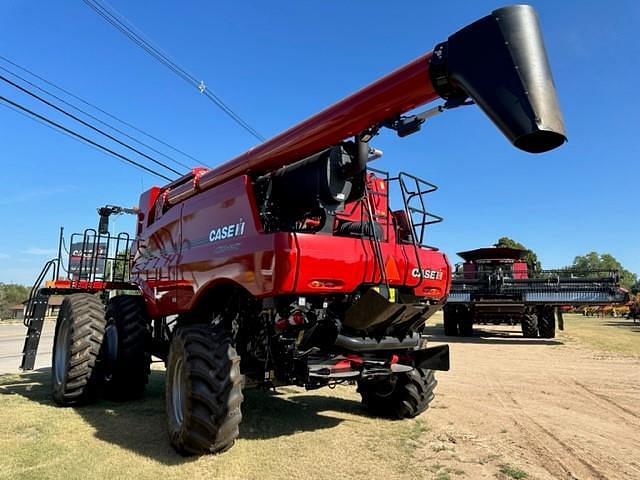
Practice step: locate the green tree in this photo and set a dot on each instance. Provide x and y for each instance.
(11, 294)
(118, 269)
(533, 264)
(605, 261)
(121, 267)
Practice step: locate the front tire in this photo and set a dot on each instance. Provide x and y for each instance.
(203, 391)
(78, 338)
(403, 395)
(127, 348)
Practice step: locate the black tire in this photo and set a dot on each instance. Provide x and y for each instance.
(547, 322)
(79, 332)
(203, 391)
(465, 323)
(530, 325)
(465, 326)
(403, 395)
(126, 351)
(450, 320)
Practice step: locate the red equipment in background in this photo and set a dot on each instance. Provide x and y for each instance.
(495, 285)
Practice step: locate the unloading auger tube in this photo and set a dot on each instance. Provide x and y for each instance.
(499, 62)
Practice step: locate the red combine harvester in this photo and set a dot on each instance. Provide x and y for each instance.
(286, 264)
(495, 285)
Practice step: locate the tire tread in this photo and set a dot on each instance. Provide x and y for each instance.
(411, 396)
(215, 392)
(86, 314)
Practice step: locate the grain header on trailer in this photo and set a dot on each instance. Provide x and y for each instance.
(495, 285)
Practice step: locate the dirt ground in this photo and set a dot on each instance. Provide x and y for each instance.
(551, 408)
(509, 408)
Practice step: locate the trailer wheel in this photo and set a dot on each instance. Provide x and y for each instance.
(529, 325)
(402, 395)
(78, 337)
(465, 323)
(450, 320)
(547, 322)
(126, 348)
(203, 391)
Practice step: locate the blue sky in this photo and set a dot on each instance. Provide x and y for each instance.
(276, 63)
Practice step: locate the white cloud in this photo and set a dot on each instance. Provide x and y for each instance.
(39, 251)
(4, 256)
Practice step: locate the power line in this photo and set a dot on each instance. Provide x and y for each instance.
(121, 23)
(146, 44)
(62, 129)
(86, 102)
(88, 125)
(126, 27)
(94, 117)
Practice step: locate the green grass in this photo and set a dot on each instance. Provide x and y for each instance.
(321, 435)
(606, 334)
(513, 472)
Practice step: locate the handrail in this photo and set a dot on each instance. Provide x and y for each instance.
(36, 287)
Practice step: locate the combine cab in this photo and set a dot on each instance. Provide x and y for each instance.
(494, 285)
(286, 265)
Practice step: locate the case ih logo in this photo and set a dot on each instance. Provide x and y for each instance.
(427, 274)
(227, 231)
(88, 252)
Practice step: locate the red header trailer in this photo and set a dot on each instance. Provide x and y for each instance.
(495, 285)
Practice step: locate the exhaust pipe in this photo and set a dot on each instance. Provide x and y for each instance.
(501, 63)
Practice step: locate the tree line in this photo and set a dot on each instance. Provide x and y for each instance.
(11, 294)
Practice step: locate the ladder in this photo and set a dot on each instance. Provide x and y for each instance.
(34, 317)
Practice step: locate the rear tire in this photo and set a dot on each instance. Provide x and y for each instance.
(203, 391)
(78, 338)
(530, 325)
(127, 348)
(403, 395)
(547, 322)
